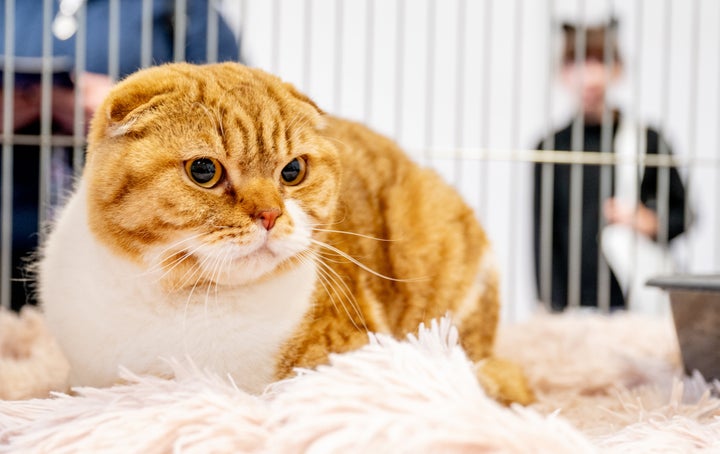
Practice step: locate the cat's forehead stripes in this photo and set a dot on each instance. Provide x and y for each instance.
(257, 119)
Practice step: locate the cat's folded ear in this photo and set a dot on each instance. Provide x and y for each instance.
(125, 108)
(310, 104)
(122, 107)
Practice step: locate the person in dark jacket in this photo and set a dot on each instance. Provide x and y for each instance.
(94, 83)
(589, 77)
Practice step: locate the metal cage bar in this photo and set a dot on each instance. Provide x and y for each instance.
(603, 277)
(430, 79)
(548, 180)
(180, 29)
(45, 118)
(7, 155)
(576, 185)
(663, 181)
(211, 51)
(114, 40)
(487, 55)
(79, 113)
(400, 67)
(146, 38)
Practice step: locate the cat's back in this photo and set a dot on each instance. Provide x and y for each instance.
(374, 164)
(420, 232)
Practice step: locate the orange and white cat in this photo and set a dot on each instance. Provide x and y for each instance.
(223, 217)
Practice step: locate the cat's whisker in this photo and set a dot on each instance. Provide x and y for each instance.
(212, 115)
(359, 263)
(218, 118)
(337, 222)
(222, 263)
(332, 257)
(329, 285)
(213, 278)
(178, 243)
(188, 301)
(327, 257)
(194, 272)
(159, 264)
(321, 279)
(295, 123)
(335, 278)
(350, 298)
(175, 263)
(335, 139)
(351, 234)
(177, 259)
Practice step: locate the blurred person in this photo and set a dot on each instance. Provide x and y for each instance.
(94, 84)
(631, 211)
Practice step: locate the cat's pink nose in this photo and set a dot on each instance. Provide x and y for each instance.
(268, 217)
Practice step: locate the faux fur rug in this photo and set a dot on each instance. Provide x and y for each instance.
(604, 383)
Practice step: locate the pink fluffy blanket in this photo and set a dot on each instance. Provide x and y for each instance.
(604, 383)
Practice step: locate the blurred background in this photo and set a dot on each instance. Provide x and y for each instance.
(469, 87)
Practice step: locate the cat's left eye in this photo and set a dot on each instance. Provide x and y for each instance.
(205, 172)
(294, 172)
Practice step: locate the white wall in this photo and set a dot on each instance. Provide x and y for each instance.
(483, 80)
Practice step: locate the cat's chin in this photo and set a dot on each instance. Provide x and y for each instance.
(242, 266)
(256, 266)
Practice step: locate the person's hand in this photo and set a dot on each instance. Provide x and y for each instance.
(94, 89)
(643, 219)
(26, 107)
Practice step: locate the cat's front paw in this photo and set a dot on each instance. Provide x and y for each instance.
(504, 381)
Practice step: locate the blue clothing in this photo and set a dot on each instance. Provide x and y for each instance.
(29, 32)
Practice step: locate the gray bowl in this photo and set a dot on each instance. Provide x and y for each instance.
(695, 303)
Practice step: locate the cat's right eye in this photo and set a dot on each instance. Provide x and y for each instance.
(205, 172)
(294, 172)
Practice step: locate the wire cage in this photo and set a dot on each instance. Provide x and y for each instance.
(468, 87)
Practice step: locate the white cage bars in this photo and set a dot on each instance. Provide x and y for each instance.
(466, 86)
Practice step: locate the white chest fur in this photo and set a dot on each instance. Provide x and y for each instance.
(106, 313)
